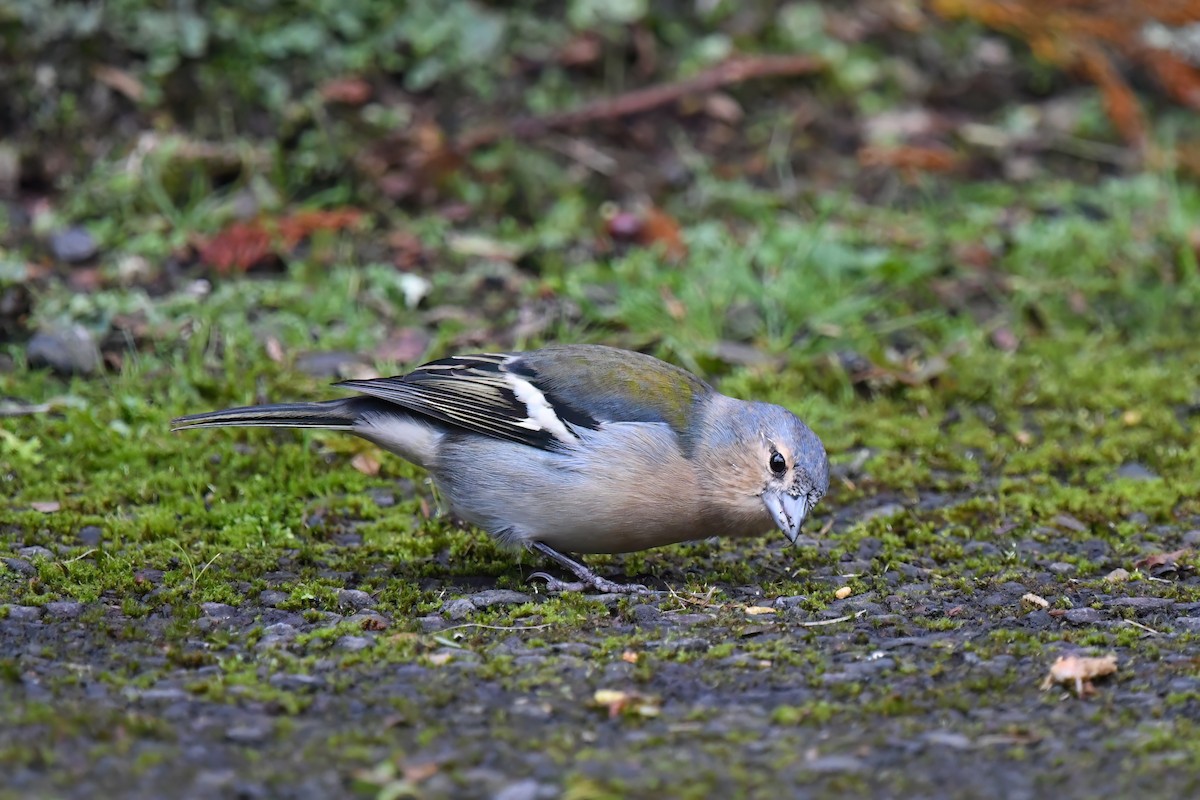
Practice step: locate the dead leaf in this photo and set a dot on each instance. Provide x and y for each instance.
(646, 226)
(404, 346)
(421, 771)
(1004, 339)
(580, 50)
(274, 349)
(1079, 670)
(1070, 523)
(723, 108)
(120, 81)
(910, 160)
(1159, 560)
(365, 464)
(755, 611)
(348, 91)
(674, 307)
(617, 703)
(1034, 600)
(479, 246)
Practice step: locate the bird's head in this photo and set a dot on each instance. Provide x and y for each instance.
(769, 459)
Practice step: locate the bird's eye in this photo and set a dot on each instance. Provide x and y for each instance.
(778, 464)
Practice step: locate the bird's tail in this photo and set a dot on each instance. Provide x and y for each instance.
(332, 414)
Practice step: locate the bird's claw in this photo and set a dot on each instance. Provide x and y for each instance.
(602, 585)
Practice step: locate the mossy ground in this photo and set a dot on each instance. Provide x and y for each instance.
(1001, 475)
(1006, 377)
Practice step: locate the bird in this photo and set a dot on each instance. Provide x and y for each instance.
(578, 448)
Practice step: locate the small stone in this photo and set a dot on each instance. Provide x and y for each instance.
(458, 608)
(354, 644)
(68, 351)
(296, 682)
(885, 510)
(152, 577)
(64, 609)
(1184, 623)
(217, 610)
(948, 739)
(1084, 616)
(354, 598)
(23, 613)
(383, 498)
(248, 734)
(527, 789)
(645, 613)
(280, 631)
(691, 644)
(499, 597)
(1061, 568)
(271, 597)
(1134, 471)
(1142, 605)
(1118, 575)
(163, 695)
(35, 551)
(829, 764)
(790, 602)
(336, 364)
(90, 535)
(73, 245)
(21, 567)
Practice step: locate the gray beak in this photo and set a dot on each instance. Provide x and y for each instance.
(787, 511)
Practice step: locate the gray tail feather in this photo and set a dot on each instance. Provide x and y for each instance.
(333, 414)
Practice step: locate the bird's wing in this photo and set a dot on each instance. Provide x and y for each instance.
(544, 397)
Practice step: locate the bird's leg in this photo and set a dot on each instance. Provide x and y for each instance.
(587, 578)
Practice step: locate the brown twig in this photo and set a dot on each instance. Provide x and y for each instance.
(735, 70)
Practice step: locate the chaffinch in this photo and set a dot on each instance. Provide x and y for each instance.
(578, 448)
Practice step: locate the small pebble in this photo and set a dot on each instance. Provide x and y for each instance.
(90, 535)
(217, 610)
(499, 597)
(458, 608)
(68, 351)
(23, 613)
(21, 567)
(354, 644)
(64, 609)
(354, 598)
(248, 734)
(73, 245)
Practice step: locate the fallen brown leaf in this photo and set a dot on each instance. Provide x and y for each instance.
(1079, 670)
(617, 702)
(365, 464)
(1157, 561)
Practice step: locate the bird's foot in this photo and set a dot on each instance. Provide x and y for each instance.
(593, 581)
(587, 578)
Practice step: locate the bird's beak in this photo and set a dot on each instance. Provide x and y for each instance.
(787, 511)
